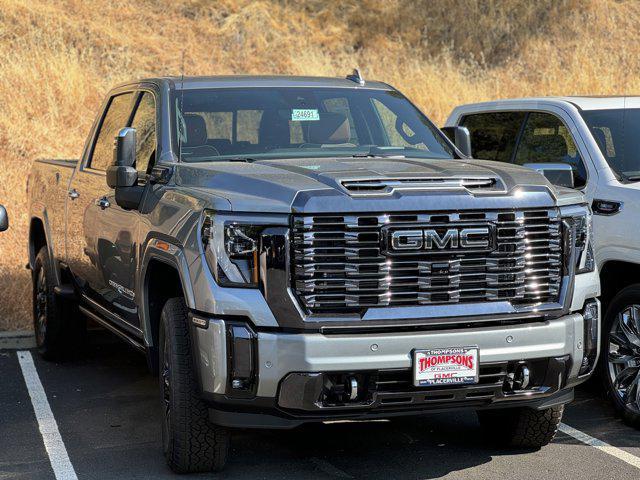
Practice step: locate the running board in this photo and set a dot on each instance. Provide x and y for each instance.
(109, 326)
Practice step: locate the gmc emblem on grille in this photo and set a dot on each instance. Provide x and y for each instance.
(441, 239)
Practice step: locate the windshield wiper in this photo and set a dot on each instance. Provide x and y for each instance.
(239, 159)
(632, 178)
(375, 152)
(376, 155)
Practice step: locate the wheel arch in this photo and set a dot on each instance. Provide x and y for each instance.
(40, 236)
(616, 275)
(164, 275)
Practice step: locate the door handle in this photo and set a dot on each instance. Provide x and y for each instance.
(73, 194)
(103, 203)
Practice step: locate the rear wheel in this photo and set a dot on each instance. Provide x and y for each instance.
(522, 427)
(620, 356)
(47, 310)
(191, 443)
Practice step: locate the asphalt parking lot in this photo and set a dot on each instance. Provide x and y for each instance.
(105, 407)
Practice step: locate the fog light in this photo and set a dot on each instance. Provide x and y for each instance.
(591, 317)
(522, 378)
(241, 357)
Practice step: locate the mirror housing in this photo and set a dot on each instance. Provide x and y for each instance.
(122, 173)
(460, 137)
(559, 174)
(4, 219)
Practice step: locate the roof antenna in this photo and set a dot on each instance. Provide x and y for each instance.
(356, 77)
(182, 127)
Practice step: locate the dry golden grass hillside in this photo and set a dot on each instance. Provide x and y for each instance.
(58, 58)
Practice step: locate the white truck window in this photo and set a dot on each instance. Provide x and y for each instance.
(547, 140)
(494, 135)
(616, 132)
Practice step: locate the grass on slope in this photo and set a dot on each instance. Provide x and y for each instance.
(57, 59)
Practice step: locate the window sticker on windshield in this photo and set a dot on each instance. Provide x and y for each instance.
(304, 114)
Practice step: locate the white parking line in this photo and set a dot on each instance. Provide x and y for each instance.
(600, 445)
(58, 456)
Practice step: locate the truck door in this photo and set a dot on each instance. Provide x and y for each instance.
(117, 231)
(101, 247)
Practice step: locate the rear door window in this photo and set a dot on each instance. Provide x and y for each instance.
(116, 117)
(546, 139)
(493, 135)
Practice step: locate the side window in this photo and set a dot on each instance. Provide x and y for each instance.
(493, 135)
(144, 121)
(116, 118)
(547, 140)
(398, 134)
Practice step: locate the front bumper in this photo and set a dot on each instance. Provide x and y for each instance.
(290, 368)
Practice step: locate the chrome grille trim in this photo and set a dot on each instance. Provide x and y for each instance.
(386, 186)
(339, 263)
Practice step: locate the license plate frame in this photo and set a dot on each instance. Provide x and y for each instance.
(449, 366)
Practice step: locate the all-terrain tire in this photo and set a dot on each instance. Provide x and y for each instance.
(55, 325)
(628, 296)
(522, 427)
(191, 443)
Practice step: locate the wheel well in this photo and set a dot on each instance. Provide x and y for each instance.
(162, 282)
(37, 239)
(614, 276)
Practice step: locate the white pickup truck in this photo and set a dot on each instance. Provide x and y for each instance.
(593, 144)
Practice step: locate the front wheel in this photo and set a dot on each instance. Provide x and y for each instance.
(190, 442)
(522, 427)
(620, 357)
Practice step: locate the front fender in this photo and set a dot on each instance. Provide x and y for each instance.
(169, 252)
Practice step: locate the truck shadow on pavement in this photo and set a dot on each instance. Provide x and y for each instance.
(107, 407)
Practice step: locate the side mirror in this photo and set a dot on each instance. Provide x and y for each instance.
(460, 137)
(122, 173)
(4, 219)
(559, 174)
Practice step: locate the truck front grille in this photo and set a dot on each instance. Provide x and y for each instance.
(342, 263)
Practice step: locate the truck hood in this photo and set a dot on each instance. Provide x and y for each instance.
(371, 184)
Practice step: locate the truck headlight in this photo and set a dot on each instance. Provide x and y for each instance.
(585, 261)
(577, 220)
(232, 250)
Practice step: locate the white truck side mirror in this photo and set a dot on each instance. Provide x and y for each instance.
(559, 174)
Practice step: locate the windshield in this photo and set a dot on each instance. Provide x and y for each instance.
(617, 133)
(294, 122)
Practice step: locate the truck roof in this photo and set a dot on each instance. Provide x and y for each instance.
(231, 81)
(593, 102)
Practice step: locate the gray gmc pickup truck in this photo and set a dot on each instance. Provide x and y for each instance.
(288, 250)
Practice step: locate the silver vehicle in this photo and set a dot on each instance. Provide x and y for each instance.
(592, 144)
(289, 250)
(4, 219)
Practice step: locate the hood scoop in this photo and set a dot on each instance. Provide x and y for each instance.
(387, 186)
